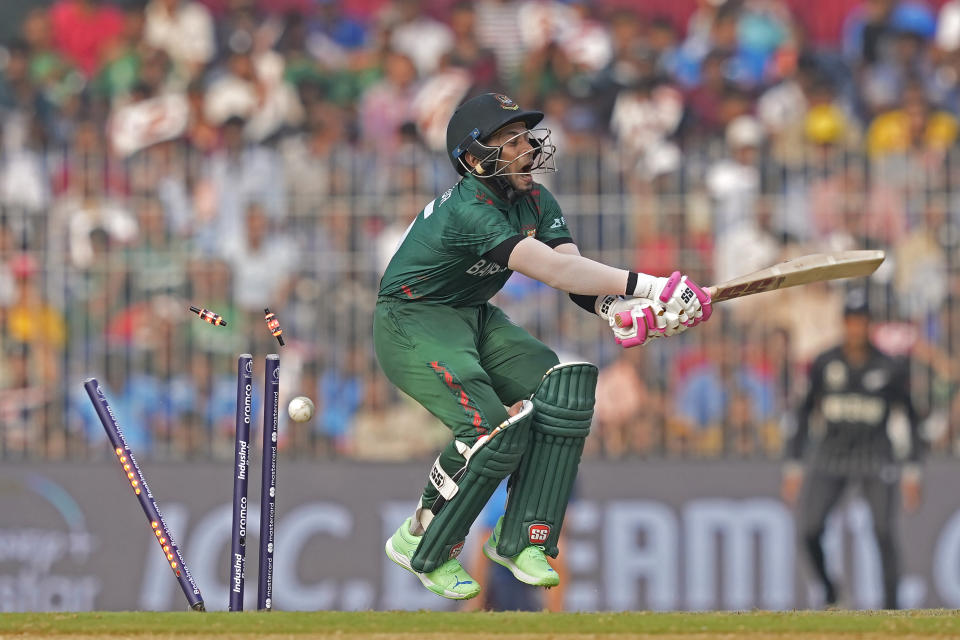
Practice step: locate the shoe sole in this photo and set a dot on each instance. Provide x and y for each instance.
(402, 560)
(517, 572)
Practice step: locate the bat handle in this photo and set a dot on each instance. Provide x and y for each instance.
(711, 291)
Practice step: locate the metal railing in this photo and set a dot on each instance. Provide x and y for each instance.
(100, 258)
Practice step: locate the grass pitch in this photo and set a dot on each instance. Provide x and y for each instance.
(423, 625)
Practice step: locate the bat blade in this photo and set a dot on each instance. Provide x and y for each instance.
(816, 267)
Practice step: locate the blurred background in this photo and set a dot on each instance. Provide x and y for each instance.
(242, 154)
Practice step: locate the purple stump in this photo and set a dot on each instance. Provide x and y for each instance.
(241, 469)
(144, 495)
(268, 482)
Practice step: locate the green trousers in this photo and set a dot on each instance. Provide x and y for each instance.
(463, 364)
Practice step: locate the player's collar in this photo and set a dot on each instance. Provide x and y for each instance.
(487, 191)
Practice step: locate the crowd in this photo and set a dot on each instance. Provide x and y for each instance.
(239, 154)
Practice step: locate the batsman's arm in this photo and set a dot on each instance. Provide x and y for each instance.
(565, 269)
(590, 304)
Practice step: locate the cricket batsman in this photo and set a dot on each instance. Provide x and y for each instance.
(438, 338)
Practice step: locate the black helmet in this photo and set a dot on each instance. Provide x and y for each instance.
(856, 302)
(477, 119)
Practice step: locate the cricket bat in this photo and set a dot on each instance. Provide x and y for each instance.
(815, 267)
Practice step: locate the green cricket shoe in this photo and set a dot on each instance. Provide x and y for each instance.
(530, 566)
(449, 580)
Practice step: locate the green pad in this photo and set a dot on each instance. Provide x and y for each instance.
(488, 463)
(540, 488)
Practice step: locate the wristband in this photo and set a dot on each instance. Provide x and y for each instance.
(641, 285)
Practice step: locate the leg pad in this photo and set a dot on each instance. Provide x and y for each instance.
(489, 461)
(541, 486)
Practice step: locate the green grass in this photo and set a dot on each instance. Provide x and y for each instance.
(931, 623)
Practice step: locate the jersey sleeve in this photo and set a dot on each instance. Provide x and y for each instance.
(902, 394)
(552, 226)
(797, 442)
(476, 228)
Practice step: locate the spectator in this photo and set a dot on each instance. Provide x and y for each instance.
(236, 175)
(134, 397)
(309, 159)
(704, 101)
(202, 133)
(867, 31)
(645, 116)
(740, 225)
(849, 212)
(631, 62)
(50, 72)
(822, 141)
(204, 397)
(238, 27)
(84, 214)
(17, 89)
(545, 69)
(469, 54)
(24, 181)
(122, 63)
(717, 384)
(664, 42)
(23, 398)
(254, 89)
(920, 260)
(387, 105)
(183, 29)
(499, 30)
(783, 107)
(399, 430)
(764, 31)
(300, 66)
(261, 262)
(625, 420)
(341, 393)
(585, 41)
(947, 37)
(156, 271)
(905, 62)
(334, 37)
(699, 39)
(211, 280)
(163, 172)
(914, 126)
(84, 29)
(416, 35)
(33, 321)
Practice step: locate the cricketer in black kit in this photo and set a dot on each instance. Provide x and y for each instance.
(853, 387)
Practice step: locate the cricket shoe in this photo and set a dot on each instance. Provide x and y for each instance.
(449, 580)
(530, 566)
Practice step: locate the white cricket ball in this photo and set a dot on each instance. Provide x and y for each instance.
(300, 409)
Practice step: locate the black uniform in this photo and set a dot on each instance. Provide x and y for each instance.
(855, 403)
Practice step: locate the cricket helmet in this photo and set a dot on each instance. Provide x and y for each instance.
(477, 119)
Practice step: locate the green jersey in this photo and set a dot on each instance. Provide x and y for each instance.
(455, 251)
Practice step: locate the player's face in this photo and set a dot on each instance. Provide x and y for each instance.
(516, 155)
(856, 330)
